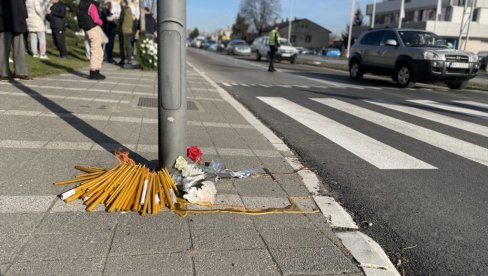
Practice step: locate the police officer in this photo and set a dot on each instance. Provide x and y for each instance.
(274, 44)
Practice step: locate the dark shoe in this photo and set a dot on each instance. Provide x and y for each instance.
(4, 78)
(22, 77)
(121, 63)
(95, 75)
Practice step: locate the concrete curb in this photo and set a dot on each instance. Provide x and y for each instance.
(370, 256)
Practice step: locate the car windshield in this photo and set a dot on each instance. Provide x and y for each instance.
(284, 42)
(240, 43)
(422, 39)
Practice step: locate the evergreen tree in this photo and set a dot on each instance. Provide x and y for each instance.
(194, 33)
(356, 22)
(240, 28)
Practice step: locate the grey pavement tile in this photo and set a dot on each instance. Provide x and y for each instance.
(198, 136)
(30, 134)
(294, 238)
(219, 221)
(67, 246)
(163, 221)
(253, 202)
(259, 186)
(77, 267)
(237, 163)
(242, 262)
(12, 159)
(225, 186)
(74, 222)
(276, 165)
(3, 269)
(292, 184)
(255, 139)
(10, 245)
(12, 124)
(282, 221)
(313, 261)
(133, 241)
(123, 132)
(226, 239)
(19, 224)
(25, 204)
(156, 264)
(226, 138)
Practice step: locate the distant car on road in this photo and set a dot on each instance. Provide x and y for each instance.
(303, 51)
(211, 45)
(238, 47)
(286, 51)
(483, 59)
(197, 42)
(409, 56)
(333, 52)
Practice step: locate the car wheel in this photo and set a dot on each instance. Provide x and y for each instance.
(355, 72)
(293, 60)
(258, 56)
(457, 85)
(404, 76)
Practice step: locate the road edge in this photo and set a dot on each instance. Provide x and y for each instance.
(371, 257)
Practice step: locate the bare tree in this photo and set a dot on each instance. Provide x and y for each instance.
(260, 13)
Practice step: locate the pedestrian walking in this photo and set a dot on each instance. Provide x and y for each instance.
(126, 21)
(13, 28)
(110, 28)
(37, 28)
(274, 44)
(57, 19)
(89, 20)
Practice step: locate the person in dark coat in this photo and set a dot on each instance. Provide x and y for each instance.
(56, 17)
(150, 25)
(110, 29)
(14, 27)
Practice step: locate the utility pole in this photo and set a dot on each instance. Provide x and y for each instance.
(289, 21)
(349, 38)
(466, 23)
(142, 16)
(171, 81)
(438, 12)
(373, 15)
(402, 13)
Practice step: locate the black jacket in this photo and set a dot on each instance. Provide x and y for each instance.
(2, 27)
(57, 16)
(14, 16)
(150, 23)
(84, 19)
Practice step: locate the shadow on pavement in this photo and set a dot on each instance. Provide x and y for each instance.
(107, 143)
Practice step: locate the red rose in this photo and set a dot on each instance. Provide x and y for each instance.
(194, 153)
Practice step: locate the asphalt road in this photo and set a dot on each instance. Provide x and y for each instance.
(410, 165)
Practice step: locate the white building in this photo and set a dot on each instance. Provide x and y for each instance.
(420, 14)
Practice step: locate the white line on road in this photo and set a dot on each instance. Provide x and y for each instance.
(467, 150)
(226, 84)
(452, 108)
(476, 104)
(376, 153)
(441, 119)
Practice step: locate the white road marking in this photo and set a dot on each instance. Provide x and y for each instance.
(226, 84)
(245, 85)
(477, 104)
(441, 119)
(376, 153)
(467, 150)
(264, 85)
(452, 108)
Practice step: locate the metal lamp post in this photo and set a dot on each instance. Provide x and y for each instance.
(349, 39)
(171, 81)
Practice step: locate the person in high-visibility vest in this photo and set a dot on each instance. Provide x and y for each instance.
(274, 44)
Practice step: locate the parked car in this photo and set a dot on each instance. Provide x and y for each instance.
(286, 51)
(211, 45)
(197, 42)
(409, 56)
(333, 52)
(238, 47)
(483, 60)
(303, 51)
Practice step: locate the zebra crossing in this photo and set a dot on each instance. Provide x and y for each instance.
(384, 156)
(327, 85)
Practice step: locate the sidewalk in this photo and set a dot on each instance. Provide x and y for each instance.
(49, 125)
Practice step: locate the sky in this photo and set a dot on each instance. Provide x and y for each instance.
(210, 15)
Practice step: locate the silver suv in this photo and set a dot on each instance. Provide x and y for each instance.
(409, 56)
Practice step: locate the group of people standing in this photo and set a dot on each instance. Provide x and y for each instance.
(21, 17)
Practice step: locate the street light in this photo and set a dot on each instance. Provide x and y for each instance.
(171, 81)
(349, 39)
(289, 20)
(373, 15)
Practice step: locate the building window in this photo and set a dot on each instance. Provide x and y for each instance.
(308, 39)
(293, 39)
